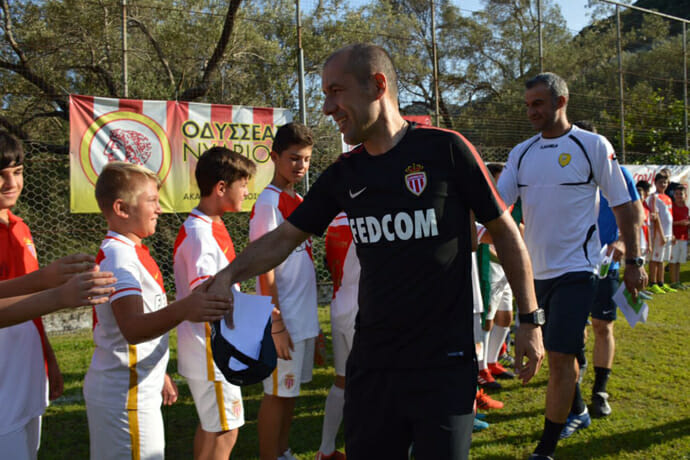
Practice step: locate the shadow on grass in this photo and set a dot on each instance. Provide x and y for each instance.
(631, 441)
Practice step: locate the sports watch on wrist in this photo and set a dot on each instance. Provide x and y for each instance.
(537, 317)
(636, 261)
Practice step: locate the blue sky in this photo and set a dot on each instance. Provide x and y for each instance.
(574, 11)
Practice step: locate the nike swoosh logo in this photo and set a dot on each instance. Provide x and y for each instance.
(606, 312)
(356, 194)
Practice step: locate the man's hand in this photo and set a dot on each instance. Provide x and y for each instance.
(89, 288)
(220, 285)
(63, 269)
(528, 344)
(169, 392)
(635, 279)
(204, 306)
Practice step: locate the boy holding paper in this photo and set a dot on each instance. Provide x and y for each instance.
(204, 247)
(292, 286)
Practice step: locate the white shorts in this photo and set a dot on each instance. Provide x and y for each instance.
(679, 252)
(342, 345)
(661, 252)
(115, 434)
(218, 404)
(289, 375)
(501, 299)
(22, 444)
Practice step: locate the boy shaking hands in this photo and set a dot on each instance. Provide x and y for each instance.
(126, 382)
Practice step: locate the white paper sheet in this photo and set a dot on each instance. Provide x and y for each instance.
(251, 314)
(634, 312)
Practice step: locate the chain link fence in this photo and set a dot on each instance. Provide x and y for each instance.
(44, 205)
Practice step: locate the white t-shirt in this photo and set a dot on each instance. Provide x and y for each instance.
(23, 386)
(123, 375)
(202, 249)
(341, 256)
(662, 204)
(295, 277)
(558, 180)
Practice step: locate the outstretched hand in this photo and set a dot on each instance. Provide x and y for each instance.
(530, 345)
(206, 305)
(220, 286)
(89, 288)
(60, 271)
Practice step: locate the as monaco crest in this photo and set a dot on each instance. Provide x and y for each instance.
(415, 179)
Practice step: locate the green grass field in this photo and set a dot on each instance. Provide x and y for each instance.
(650, 397)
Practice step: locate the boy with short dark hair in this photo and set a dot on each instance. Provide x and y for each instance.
(679, 250)
(126, 381)
(292, 286)
(204, 247)
(660, 206)
(30, 378)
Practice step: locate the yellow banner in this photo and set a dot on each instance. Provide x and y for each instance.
(167, 137)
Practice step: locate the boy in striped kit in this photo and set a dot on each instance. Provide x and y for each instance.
(204, 247)
(292, 286)
(126, 381)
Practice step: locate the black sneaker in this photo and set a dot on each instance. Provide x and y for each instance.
(600, 405)
(539, 457)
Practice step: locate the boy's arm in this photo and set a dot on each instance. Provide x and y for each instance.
(281, 336)
(55, 382)
(90, 288)
(50, 276)
(137, 326)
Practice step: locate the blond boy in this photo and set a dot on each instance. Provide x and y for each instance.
(126, 381)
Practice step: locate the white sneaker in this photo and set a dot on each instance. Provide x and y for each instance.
(287, 455)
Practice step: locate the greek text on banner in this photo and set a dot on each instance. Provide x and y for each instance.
(167, 137)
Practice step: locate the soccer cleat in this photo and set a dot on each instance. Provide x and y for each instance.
(679, 286)
(486, 380)
(500, 372)
(485, 402)
(655, 289)
(668, 288)
(600, 405)
(575, 422)
(336, 455)
(287, 455)
(539, 457)
(507, 360)
(478, 425)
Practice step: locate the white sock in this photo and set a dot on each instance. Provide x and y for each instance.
(496, 339)
(481, 360)
(331, 419)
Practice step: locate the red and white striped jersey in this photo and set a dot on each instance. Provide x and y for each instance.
(202, 249)
(121, 374)
(295, 277)
(341, 257)
(23, 382)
